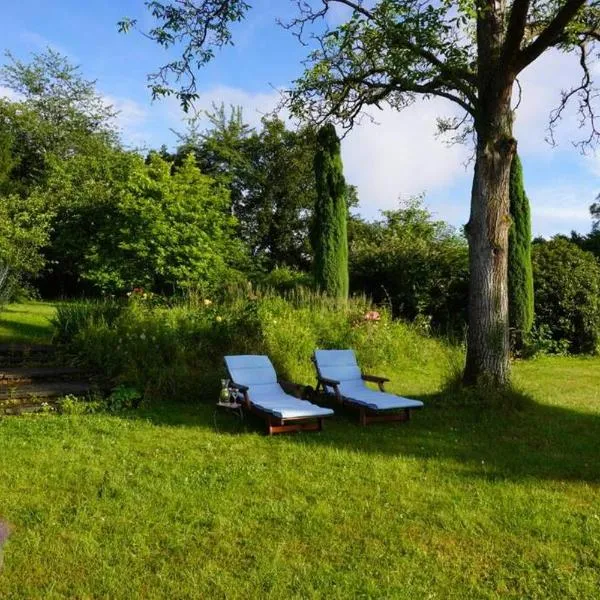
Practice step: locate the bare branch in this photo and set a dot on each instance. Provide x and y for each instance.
(587, 95)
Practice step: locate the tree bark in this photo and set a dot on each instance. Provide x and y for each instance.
(488, 344)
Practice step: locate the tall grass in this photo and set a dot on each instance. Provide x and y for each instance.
(176, 352)
(72, 317)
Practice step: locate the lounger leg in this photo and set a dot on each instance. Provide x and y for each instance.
(363, 417)
(321, 424)
(407, 414)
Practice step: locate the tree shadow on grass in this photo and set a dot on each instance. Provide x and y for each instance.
(14, 330)
(536, 441)
(23, 332)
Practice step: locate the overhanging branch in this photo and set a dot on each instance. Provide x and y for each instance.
(549, 35)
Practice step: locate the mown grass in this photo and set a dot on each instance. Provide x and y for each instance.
(27, 322)
(175, 502)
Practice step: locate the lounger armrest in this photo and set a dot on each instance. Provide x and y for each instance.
(374, 378)
(238, 386)
(327, 381)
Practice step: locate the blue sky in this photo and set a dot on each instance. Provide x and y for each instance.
(398, 157)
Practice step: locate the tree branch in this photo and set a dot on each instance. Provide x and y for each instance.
(515, 31)
(359, 8)
(549, 35)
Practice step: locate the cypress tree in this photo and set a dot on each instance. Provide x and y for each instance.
(520, 273)
(330, 236)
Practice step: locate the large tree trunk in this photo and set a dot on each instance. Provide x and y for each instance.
(488, 344)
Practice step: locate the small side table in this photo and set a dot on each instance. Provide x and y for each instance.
(231, 407)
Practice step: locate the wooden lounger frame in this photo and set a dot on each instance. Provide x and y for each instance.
(366, 415)
(277, 425)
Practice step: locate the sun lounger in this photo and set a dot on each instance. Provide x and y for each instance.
(255, 379)
(338, 374)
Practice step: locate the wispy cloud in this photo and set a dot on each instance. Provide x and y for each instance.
(37, 42)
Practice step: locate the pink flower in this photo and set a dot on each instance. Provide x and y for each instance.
(372, 315)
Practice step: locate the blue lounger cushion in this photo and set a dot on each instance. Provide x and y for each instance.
(341, 365)
(258, 375)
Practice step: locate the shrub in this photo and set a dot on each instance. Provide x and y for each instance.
(417, 265)
(284, 279)
(177, 353)
(567, 295)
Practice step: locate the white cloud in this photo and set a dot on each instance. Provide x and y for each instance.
(9, 94)
(254, 105)
(593, 162)
(132, 119)
(153, 124)
(561, 208)
(401, 156)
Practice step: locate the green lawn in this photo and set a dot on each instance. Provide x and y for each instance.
(458, 503)
(27, 322)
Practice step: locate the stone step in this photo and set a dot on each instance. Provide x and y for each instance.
(15, 348)
(21, 375)
(42, 391)
(16, 354)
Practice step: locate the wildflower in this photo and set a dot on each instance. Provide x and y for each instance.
(142, 336)
(218, 318)
(207, 302)
(372, 315)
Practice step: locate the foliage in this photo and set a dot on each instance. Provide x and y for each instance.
(284, 280)
(270, 178)
(590, 242)
(455, 504)
(414, 263)
(595, 212)
(122, 398)
(59, 114)
(520, 271)
(23, 231)
(329, 228)
(567, 294)
(146, 225)
(174, 352)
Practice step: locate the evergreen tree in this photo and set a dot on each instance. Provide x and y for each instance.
(330, 236)
(520, 274)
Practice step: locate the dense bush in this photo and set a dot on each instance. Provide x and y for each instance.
(567, 297)
(177, 352)
(416, 264)
(127, 223)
